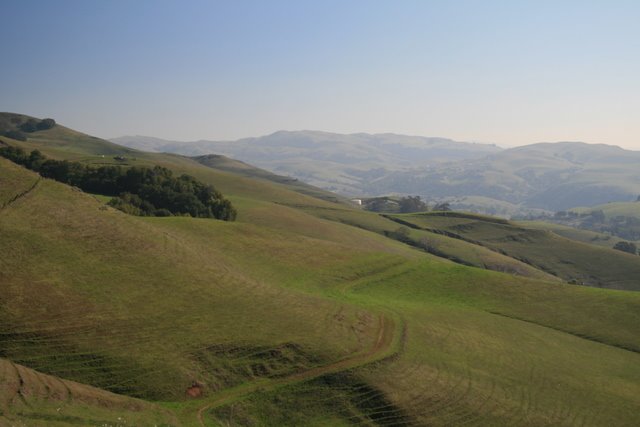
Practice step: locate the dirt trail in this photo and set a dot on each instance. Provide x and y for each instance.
(21, 194)
(382, 347)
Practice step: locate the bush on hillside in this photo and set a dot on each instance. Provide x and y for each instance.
(137, 190)
(626, 247)
(46, 124)
(15, 134)
(412, 204)
(401, 234)
(442, 207)
(29, 126)
(33, 125)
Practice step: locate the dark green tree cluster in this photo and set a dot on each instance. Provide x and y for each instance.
(442, 207)
(137, 190)
(403, 205)
(33, 125)
(15, 134)
(412, 204)
(628, 247)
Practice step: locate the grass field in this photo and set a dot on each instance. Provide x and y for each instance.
(302, 312)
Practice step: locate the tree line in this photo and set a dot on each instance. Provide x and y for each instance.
(136, 190)
(31, 125)
(408, 204)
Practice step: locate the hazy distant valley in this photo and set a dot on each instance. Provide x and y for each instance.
(478, 177)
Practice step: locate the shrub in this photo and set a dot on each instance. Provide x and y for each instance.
(15, 134)
(412, 204)
(626, 247)
(46, 124)
(29, 126)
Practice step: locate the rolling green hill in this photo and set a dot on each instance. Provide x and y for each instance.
(573, 233)
(547, 251)
(612, 210)
(619, 221)
(304, 311)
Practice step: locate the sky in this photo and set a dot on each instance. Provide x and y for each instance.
(504, 72)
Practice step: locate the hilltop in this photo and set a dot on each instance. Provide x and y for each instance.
(304, 311)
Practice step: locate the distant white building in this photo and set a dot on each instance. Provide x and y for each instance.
(357, 201)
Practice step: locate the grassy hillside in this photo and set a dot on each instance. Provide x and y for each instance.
(570, 260)
(30, 398)
(612, 210)
(581, 235)
(304, 311)
(619, 220)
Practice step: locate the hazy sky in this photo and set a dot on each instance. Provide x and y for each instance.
(509, 72)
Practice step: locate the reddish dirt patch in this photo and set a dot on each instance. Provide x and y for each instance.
(195, 390)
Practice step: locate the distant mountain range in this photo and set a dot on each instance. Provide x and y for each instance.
(550, 176)
(336, 162)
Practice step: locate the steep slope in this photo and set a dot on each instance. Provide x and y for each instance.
(28, 397)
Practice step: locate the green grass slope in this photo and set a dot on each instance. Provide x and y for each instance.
(578, 234)
(30, 398)
(562, 257)
(131, 285)
(226, 164)
(302, 312)
(612, 210)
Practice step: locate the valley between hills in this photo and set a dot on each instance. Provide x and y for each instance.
(303, 309)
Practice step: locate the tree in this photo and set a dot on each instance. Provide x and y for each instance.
(29, 126)
(15, 134)
(378, 204)
(626, 247)
(46, 124)
(36, 159)
(442, 207)
(401, 234)
(412, 204)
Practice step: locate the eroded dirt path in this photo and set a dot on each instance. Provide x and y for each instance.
(385, 345)
(21, 194)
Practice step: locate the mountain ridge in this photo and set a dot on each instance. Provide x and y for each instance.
(544, 175)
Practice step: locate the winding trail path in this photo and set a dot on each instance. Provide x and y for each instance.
(386, 344)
